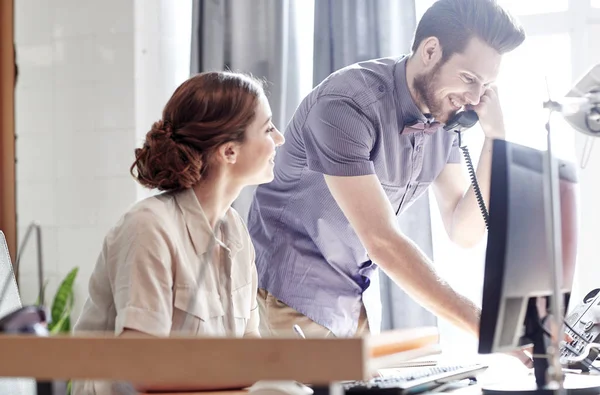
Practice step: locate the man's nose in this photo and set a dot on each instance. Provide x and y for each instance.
(473, 96)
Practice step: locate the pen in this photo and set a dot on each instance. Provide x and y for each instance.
(298, 331)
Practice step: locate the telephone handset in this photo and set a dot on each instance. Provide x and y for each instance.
(464, 120)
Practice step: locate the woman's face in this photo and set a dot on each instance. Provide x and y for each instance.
(256, 157)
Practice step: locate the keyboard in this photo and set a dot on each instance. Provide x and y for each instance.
(413, 380)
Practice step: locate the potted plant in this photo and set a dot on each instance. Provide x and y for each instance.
(62, 304)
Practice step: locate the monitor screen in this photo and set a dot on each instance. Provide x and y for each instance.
(517, 264)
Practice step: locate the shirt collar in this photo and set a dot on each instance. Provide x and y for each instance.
(410, 112)
(199, 229)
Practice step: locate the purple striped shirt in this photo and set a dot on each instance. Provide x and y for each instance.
(307, 253)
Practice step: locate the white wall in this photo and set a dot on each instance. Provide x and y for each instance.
(587, 276)
(75, 130)
(162, 59)
(93, 77)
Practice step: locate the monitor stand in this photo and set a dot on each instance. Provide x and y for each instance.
(537, 384)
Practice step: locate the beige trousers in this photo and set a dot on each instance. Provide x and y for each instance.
(277, 319)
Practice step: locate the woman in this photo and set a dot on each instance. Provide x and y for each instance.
(182, 261)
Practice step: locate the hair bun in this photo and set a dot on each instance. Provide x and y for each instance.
(163, 127)
(204, 112)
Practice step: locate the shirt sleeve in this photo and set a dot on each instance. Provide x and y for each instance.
(455, 155)
(338, 138)
(141, 276)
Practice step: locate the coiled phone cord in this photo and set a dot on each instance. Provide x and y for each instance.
(473, 176)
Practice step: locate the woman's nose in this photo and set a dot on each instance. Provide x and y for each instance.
(278, 138)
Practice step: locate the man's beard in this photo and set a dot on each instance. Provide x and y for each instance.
(425, 87)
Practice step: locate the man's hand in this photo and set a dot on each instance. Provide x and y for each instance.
(490, 114)
(523, 355)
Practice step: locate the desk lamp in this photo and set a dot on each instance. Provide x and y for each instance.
(581, 109)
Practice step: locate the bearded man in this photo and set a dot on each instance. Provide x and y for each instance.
(361, 147)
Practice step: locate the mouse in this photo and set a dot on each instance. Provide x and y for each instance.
(267, 387)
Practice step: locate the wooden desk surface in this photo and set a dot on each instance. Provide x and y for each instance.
(238, 392)
(500, 367)
(187, 361)
(470, 390)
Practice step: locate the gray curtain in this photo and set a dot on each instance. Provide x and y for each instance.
(350, 31)
(256, 37)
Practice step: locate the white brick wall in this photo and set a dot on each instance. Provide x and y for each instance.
(93, 75)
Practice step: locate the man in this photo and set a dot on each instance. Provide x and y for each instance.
(361, 147)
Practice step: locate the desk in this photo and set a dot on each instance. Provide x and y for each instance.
(470, 390)
(214, 360)
(500, 367)
(206, 362)
(241, 392)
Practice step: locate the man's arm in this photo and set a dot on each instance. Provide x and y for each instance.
(460, 211)
(370, 213)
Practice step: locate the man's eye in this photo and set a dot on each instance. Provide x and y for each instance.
(468, 79)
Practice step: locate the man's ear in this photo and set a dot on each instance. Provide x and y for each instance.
(430, 52)
(228, 153)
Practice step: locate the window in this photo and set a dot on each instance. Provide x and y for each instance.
(517, 7)
(304, 30)
(553, 53)
(522, 89)
(182, 32)
(529, 7)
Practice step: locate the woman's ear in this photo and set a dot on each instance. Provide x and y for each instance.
(227, 153)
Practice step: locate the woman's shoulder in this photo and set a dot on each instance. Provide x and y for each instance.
(148, 225)
(239, 230)
(235, 218)
(150, 213)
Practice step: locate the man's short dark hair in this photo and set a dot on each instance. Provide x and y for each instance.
(455, 22)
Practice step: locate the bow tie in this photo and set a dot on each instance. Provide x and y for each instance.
(420, 126)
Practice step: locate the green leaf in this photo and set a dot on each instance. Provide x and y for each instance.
(66, 328)
(63, 324)
(63, 301)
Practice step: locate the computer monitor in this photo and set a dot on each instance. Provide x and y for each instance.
(10, 300)
(517, 264)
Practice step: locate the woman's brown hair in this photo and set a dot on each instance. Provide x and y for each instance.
(206, 111)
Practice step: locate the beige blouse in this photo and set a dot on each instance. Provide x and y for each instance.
(157, 274)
